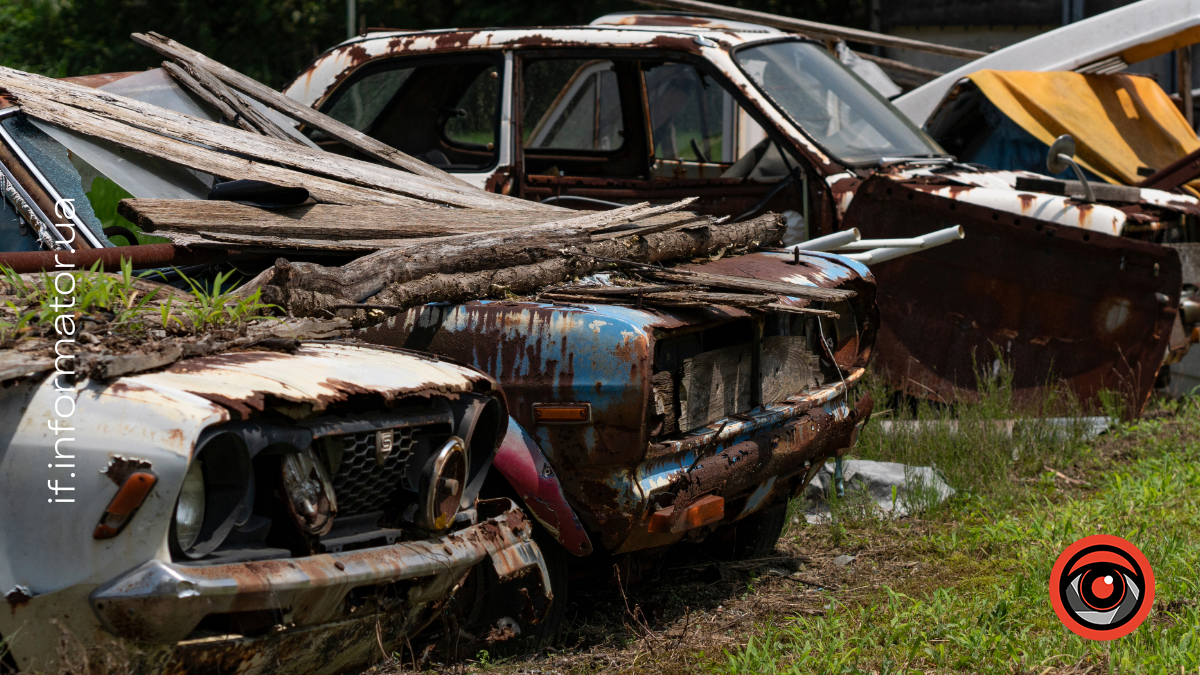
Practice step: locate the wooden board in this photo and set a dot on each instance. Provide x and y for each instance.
(714, 384)
(37, 92)
(273, 99)
(340, 222)
(788, 367)
(209, 161)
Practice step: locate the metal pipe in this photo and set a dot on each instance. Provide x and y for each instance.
(932, 239)
(145, 256)
(829, 241)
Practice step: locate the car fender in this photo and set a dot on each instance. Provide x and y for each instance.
(525, 468)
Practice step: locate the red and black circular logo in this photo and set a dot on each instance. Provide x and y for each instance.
(1102, 587)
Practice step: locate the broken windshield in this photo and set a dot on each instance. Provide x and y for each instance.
(832, 104)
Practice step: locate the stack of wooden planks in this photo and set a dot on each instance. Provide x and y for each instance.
(413, 233)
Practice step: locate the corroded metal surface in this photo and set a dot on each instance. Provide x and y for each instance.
(531, 475)
(605, 355)
(162, 602)
(318, 374)
(1093, 309)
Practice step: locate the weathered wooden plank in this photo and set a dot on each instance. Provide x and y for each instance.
(202, 159)
(31, 89)
(780, 307)
(242, 111)
(271, 98)
(747, 284)
(713, 385)
(340, 222)
(788, 367)
(188, 82)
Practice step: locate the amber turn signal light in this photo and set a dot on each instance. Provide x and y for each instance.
(122, 507)
(562, 413)
(703, 511)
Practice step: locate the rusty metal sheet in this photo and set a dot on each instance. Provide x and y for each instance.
(318, 374)
(1094, 310)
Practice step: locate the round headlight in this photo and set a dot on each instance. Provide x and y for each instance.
(189, 511)
(441, 487)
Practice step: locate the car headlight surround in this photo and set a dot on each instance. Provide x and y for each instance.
(213, 496)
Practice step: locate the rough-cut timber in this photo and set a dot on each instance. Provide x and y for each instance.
(273, 99)
(45, 98)
(305, 291)
(203, 84)
(202, 159)
(321, 225)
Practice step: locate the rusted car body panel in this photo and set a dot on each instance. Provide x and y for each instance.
(623, 463)
(830, 196)
(1027, 307)
(264, 596)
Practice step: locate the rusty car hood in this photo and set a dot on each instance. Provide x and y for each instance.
(316, 375)
(998, 190)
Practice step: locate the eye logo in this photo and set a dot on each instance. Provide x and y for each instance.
(1102, 587)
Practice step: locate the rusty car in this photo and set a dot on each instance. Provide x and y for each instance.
(623, 427)
(219, 499)
(283, 511)
(661, 106)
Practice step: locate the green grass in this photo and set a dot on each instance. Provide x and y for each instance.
(988, 610)
(115, 302)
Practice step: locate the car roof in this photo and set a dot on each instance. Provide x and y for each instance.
(628, 30)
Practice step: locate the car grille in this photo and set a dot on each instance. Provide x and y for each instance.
(361, 485)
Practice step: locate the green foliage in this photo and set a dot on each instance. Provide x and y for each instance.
(213, 309)
(114, 301)
(80, 37)
(104, 197)
(977, 446)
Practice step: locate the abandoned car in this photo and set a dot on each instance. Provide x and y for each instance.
(291, 510)
(631, 425)
(750, 119)
(285, 505)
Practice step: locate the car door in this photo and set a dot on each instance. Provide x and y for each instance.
(595, 130)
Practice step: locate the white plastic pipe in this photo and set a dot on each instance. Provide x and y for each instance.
(829, 241)
(928, 241)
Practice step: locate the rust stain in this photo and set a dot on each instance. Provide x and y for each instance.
(19, 596)
(120, 468)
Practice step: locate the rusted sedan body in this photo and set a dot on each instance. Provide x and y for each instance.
(247, 512)
(638, 428)
(645, 106)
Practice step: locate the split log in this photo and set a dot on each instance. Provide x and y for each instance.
(273, 99)
(35, 92)
(292, 285)
(358, 280)
(317, 225)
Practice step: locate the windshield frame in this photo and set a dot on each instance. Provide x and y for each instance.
(805, 132)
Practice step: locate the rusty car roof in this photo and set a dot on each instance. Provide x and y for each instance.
(336, 62)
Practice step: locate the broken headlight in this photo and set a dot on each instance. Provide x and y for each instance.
(213, 496)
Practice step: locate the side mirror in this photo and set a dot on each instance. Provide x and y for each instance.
(1061, 156)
